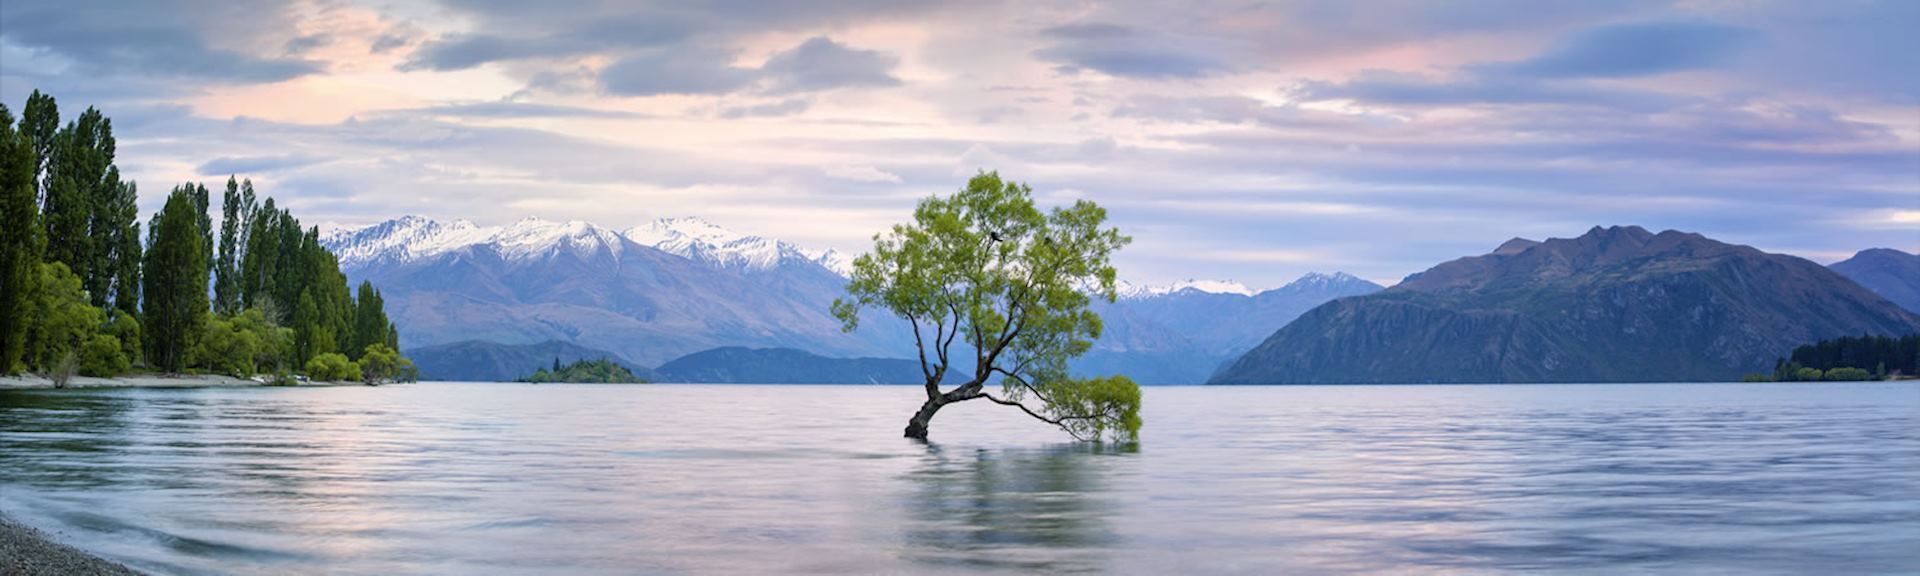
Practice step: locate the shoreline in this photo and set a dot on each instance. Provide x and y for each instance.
(32, 382)
(29, 551)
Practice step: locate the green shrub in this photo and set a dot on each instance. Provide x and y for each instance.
(1848, 375)
(379, 363)
(102, 357)
(1808, 375)
(126, 329)
(332, 367)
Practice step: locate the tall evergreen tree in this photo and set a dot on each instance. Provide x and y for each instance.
(175, 294)
(119, 244)
(127, 252)
(19, 235)
(226, 274)
(369, 321)
(40, 124)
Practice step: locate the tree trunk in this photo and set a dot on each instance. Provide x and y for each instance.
(917, 427)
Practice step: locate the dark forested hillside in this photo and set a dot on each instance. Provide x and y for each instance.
(1616, 304)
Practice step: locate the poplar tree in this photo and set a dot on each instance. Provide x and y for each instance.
(175, 295)
(226, 281)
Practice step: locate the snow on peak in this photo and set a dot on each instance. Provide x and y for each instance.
(702, 241)
(412, 237)
(533, 237)
(1130, 290)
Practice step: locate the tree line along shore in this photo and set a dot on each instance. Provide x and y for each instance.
(82, 293)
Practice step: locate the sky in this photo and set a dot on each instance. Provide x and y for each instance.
(1251, 141)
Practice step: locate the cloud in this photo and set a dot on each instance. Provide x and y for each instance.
(1128, 52)
(231, 165)
(1638, 49)
(154, 39)
(822, 64)
(1394, 88)
(660, 72)
(519, 110)
(788, 107)
(860, 174)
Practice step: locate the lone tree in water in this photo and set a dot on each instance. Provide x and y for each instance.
(1011, 285)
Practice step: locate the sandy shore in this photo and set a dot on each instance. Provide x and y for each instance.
(145, 381)
(29, 552)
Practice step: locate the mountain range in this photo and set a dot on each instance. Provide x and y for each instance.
(672, 287)
(1616, 304)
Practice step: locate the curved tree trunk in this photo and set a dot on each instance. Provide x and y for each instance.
(917, 426)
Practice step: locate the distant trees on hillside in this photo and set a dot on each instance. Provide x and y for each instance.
(1849, 358)
(78, 288)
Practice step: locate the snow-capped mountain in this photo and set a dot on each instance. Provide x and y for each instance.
(1131, 291)
(412, 238)
(702, 241)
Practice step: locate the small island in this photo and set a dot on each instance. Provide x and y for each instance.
(602, 371)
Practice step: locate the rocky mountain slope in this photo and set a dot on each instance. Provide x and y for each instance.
(1617, 304)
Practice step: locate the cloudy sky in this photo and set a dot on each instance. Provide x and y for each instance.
(1241, 140)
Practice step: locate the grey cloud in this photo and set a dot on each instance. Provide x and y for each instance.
(822, 64)
(1129, 52)
(659, 72)
(786, 107)
(155, 39)
(304, 44)
(1637, 49)
(243, 165)
(1469, 89)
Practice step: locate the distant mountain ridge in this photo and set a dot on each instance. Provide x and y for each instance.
(479, 361)
(1615, 304)
(739, 365)
(1893, 274)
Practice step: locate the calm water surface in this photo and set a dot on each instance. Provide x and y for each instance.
(502, 478)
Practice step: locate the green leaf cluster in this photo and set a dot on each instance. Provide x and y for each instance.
(332, 367)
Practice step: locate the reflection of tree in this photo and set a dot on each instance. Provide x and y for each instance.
(45, 437)
(1010, 509)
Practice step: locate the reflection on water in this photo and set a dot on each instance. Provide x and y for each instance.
(1029, 509)
(478, 478)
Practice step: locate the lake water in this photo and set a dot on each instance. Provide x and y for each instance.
(518, 479)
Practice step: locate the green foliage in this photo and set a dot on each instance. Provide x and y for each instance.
(175, 295)
(1848, 375)
(332, 367)
(70, 242)
(370, 324)
(1095, 408)
(226, 274)
(602, 371)
(1756, 377)
(102, 357)
(1012, 284)
(60, 319)
(381, 363)
(20, 240)
(126, 329)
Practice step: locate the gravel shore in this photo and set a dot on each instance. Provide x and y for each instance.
(25, 551)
